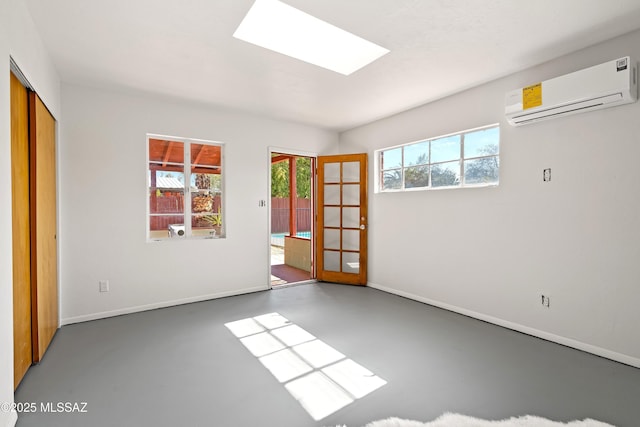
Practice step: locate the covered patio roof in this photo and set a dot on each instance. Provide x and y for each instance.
(167, 155)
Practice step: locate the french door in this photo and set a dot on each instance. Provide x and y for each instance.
(341, 229)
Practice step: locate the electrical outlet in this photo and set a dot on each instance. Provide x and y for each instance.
(103, 285)
(546, 175)
(545, 300)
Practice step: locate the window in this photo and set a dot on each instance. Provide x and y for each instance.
(184, 181)
(470, 158)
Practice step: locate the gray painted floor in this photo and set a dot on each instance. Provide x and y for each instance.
(181, 366)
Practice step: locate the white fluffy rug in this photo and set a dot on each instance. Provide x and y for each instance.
(456, 420)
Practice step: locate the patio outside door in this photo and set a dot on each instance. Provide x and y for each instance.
(342, 219)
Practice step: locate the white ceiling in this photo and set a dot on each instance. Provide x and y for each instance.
(185, 49)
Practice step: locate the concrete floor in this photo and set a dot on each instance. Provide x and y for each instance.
(183, 366)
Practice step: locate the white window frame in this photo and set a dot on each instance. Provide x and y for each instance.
(379, 187)
(187, 188)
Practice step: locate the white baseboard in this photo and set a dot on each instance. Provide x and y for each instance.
(164, 304)
(598, 351)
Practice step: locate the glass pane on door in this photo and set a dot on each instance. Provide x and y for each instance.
(331, 239)
(331, 194)
(332, 261)
(332, 172)
(351, 172)
(331, 216)
(351, 194)
(350, 217)
(351, 240)
(351, 262)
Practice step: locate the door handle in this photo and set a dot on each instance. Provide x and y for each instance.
(362, 227)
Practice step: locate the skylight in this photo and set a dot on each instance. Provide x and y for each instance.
(284, 29)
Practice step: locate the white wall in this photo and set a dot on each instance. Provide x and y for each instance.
(491, 252)
(19, 39)
(104, 196)
(29, 52)
(6, 275)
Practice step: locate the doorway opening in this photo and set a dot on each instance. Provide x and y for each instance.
(292, 218)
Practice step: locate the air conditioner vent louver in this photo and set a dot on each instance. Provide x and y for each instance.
(601, 86)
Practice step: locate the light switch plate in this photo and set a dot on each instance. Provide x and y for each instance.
(104, 285)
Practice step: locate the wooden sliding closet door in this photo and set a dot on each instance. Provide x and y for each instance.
(44, 258)
(22, 349)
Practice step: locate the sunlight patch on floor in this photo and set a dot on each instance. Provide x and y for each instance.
(319, 377)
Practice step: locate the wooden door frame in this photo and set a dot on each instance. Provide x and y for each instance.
(295, 153)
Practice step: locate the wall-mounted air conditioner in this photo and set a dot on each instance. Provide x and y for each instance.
(601, 86)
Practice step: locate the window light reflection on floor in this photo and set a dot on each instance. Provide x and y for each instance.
(319, 377)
